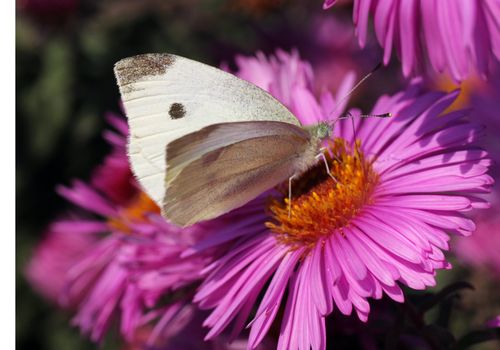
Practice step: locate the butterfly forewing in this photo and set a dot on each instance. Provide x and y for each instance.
(167, 96)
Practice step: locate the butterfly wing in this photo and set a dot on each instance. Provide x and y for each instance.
(233, 171)
(167, 96)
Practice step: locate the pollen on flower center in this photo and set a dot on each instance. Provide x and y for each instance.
(320, 206)
(135, 212)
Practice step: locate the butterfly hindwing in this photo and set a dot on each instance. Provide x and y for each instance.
(226, 177)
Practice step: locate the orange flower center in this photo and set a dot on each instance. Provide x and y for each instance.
(320, 205)
(134, 213)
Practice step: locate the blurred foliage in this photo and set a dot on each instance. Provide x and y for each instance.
(65, 53)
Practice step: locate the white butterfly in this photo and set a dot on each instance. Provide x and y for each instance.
(204, 142)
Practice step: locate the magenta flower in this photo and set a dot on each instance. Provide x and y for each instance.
(457, 37)
(117, 256)
(402, 187)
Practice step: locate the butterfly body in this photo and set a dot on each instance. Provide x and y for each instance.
(203, 142)
(309, 156)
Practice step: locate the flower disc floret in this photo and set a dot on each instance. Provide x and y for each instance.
(324, 205)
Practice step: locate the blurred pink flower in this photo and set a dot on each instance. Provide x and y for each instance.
(494, 322)
(486, 110)
(458, 37)
(52, 258)
(332, 58)
(483, 247)
(117, 256)
(292, 81)
(401, 189)
(481, 250)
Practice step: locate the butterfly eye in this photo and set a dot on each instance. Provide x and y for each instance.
(323, 130)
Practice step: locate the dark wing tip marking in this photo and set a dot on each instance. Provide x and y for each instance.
(131, 69)
(176, 111)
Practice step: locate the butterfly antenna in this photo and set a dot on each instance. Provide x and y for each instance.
(339, 103)
(353, 129)
(350, 116)
(383, 115)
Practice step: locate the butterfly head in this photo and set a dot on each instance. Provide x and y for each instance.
(322, 130)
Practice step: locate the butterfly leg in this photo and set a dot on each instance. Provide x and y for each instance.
(323, 149)
(290, 195)
(322, 155)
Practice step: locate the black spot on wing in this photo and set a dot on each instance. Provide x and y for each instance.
(177, 110)
(132, 69)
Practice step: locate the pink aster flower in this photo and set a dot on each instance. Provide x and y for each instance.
(402, 187)
(115, 257)
(457, 37)
(52, 258)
